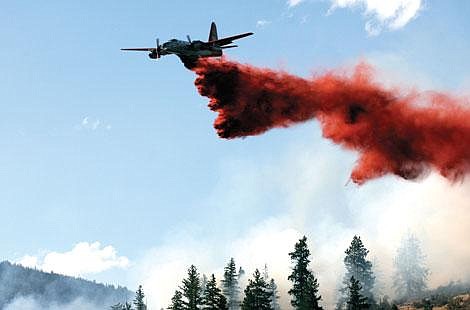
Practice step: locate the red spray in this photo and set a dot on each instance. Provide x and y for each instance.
(393, 133)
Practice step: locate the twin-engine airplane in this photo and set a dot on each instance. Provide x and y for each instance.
(190, 51)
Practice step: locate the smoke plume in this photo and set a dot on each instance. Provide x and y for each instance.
(395, 132)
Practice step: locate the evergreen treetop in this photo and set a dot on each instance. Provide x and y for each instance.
(139, 301)
(212, 297)
(305, 286)
(257, 295)
(192, 289)
(357, 266)
(411, 274)
(177, 301)
(230, 288)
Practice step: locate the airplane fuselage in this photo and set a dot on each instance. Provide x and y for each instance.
(190, 49)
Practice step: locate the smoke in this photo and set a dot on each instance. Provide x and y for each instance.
(29, 303)
(315, 203)
(405, 134)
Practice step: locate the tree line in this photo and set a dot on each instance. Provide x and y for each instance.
(261, 292)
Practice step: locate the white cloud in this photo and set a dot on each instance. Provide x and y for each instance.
(292, 3)
(84, 258)
(262, 23)
(28, 261)
(389, 14)
(92, 124)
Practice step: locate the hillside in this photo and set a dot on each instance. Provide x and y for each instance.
(46, 289)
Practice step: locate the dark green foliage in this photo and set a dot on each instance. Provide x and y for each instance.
(231, 289)
(304, 285)
(410, 271)
(51, 288)
(177, 301)
(212, 297)
(360, 268)
(356, 301)
(192, 289)
(139, 301)
(257, 295)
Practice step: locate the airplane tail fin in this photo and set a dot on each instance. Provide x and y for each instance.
(213, 33)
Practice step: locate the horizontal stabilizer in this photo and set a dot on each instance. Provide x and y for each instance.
(139, 49)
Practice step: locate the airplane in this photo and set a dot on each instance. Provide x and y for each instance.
(190, 51)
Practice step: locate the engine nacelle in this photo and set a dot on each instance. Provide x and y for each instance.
(153, 55)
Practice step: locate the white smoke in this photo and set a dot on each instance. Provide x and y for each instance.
(29, 303)
(316, 203)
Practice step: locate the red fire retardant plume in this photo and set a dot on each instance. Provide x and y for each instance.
(392, 132)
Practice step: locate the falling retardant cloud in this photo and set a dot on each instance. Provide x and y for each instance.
(389, 14)
(83, 259)
(405, 133)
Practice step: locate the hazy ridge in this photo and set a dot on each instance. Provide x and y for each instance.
(47, 289)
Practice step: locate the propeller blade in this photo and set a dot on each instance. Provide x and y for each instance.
(158, 48)
(189, 38)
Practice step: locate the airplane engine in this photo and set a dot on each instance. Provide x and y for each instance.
(153, 55)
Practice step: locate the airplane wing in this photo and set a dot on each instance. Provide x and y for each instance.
(228, 40)
(140, 49)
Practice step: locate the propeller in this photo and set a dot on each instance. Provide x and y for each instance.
(189, 38)
(159, 48)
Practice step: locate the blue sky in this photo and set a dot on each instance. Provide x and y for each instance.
(100, 145)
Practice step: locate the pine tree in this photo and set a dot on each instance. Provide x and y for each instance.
(203, 284)
(139, 299)
(213, 298)
(177, 301)
(304, 289)
(272, 289)
(356, 301)
(274, 295)
(411, 273)
(257, 295)
(360, 268)
(192, 289)
(231, 289)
